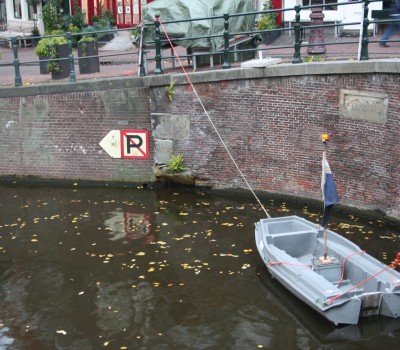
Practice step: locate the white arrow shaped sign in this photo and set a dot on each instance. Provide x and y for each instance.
(130, 144)
(111, 143)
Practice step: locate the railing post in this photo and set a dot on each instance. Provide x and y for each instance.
(72, 77)
(157, 40)
(226, 64)
(297, 36)
(363, 55)
(18, 81)
(142, 70)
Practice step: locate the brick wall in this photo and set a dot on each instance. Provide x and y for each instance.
(57, 135)
(270, 124)
(272, 128)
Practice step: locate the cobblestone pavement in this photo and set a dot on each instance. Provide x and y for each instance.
(125, 62)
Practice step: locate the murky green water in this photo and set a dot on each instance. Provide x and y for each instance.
(171, 268)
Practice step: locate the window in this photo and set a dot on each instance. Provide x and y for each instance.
(17, 9)
(326, 2)
(3, 13)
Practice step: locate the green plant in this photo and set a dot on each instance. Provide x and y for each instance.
(42, 49)
(35, 31)
(267, 20)
(54, 67)
(108, 15)
(78, 18)
(95, 19)
(83, 42)
(135, 32)
(176, 163)
(47, 47)
(51, 15)
(313, 59)
(170, 91)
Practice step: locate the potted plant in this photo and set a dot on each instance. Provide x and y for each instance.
(54, 47)
(42, 50)
(87, 46)
(135, 36)
(108, 16)
(267, 22)
(95, 20)
(35, 36)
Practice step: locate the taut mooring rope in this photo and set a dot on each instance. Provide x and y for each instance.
(212, 123)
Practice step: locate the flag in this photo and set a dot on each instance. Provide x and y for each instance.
(329, 193)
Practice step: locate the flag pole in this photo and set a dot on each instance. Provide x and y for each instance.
(325, 139)
(325, 259)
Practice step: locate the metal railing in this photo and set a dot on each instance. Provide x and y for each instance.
(159, 40)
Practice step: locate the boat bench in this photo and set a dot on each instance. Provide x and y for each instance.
(295, 243)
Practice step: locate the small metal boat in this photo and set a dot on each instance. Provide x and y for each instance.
(339, 281)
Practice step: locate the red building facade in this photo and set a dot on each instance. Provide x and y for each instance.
(127, 13)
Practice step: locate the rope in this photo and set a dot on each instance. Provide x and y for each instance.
(347, 257)
(393, 265)
(212, 123)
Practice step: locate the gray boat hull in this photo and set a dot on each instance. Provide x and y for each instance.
(351, 286)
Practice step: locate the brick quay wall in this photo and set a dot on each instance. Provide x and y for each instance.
(269, 118)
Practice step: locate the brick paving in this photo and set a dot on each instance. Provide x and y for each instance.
(125, 62)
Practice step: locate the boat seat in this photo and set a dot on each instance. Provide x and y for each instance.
(295, 244)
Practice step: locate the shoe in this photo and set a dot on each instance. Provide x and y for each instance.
(383, 44)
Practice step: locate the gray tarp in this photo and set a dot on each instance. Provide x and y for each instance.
(170, 10)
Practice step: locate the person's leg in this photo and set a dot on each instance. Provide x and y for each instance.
(389, 31)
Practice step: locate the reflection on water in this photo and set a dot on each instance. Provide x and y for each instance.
(129, 225)
(156, 269)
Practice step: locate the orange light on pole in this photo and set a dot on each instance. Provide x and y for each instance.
(325, 138)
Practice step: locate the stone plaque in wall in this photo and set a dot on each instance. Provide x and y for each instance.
(363, 105)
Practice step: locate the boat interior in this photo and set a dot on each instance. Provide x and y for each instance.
(305, 243)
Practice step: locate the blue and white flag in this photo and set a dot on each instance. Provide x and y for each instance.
(329, 192)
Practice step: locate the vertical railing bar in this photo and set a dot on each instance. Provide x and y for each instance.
(14, 44)
(226, 64)
(158, 58)
(72, 76)
(363, 55)
(297, 36)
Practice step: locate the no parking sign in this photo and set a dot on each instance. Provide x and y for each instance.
(128, 144)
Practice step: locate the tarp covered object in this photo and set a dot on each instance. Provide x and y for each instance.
(171, 10)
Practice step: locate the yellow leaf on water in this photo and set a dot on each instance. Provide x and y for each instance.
(183, 213)
(141, 254)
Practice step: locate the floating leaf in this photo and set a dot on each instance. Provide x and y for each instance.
(60, 331)
(229, 254)
(140, 254)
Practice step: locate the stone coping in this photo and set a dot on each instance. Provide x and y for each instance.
(385, 66)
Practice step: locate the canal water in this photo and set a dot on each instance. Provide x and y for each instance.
(165, 268)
